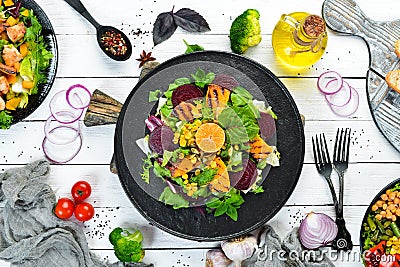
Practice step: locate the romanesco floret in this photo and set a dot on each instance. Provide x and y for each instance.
(245, 31)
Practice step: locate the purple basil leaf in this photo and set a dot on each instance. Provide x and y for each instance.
(190, 20)
(164, 27)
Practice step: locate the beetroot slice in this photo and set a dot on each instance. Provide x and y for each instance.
(160, 139)
(185, 92)
(267, 126)
(226, 81)
(245, 178)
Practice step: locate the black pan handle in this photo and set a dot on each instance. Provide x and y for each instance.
(78, 6)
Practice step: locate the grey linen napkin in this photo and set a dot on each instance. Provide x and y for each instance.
(30, 234)
(272, 252)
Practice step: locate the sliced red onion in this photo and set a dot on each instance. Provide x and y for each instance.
(78, 96)
(340, 98)
(153, 122)
(171, 186)
(59, 108)
(350, 108)
(61, 133)
(330, 82)
(317, 230)
(62, 153)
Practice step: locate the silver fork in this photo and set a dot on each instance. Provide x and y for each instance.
(340, 164)
(323, 164)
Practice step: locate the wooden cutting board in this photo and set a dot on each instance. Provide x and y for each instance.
(346, 17)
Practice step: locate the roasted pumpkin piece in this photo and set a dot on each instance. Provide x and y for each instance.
(221, 182)
(259, 149)
(217, 97)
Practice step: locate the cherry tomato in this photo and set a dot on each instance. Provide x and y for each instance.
(64, 208)
(84, 211)
(81, 190)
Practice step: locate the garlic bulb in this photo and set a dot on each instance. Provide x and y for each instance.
(216, 258)
(239, 249)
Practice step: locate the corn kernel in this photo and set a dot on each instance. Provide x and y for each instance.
(182, 142)
(193, 160)
(185, 182)
(181, 156)
(185, 176)
(213, 164)
(197, 172)
(236, 147)
(188, 136)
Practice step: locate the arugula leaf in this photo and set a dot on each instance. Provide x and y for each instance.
(242, 92)
(178, 82)
(192, 48)
(170, 198)
(257, 189)
(160, 171)
(204, 177)
(154, 95)
(5, 120)
(166, 157)
(201, 78)
(396, 187)
(228, 204)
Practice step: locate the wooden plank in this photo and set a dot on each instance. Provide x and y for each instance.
(220, 16)
(310, 190)
(75, 58)
(16, 147)
(304, 91)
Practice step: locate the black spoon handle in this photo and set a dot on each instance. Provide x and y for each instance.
(78, 6)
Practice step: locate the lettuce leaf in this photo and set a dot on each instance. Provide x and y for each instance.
(170, 198)
(5, 120)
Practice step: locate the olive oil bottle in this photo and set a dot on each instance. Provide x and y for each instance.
(299, 39)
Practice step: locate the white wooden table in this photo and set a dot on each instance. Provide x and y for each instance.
(374, 162)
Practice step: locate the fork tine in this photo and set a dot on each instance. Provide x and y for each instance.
(341, 145)
(314, 153)
(325, 160)
(335, 151)
(347, 145)
(318, 150)
(326, 149)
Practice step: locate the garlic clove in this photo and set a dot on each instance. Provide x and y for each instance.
(239, 249)
(216, 258)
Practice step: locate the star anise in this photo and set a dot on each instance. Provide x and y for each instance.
(145, 57)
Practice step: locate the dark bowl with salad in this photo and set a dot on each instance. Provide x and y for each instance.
(380, 229)
(28, 59)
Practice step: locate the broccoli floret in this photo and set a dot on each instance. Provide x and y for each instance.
(115, 235)
(245, 31)
(127, 245)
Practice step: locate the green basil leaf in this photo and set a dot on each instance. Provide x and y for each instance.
(221, 210)
(192, 48)
(232, 213)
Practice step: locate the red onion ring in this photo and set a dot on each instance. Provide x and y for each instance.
(77, 102)
(61, 133)
(69, 151)
(341, 98)
(326, 79)
(59, 107)
(350, 108)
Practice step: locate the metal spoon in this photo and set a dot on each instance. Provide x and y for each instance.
(101, 30)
